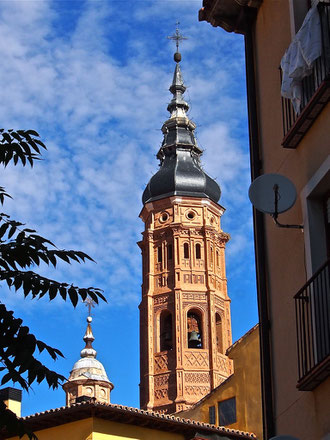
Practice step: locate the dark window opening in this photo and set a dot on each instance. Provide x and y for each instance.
(160, 254)
(218, 323)
(164, 217)
(198, 251)
(186, 250)
(194, 330)
(326, 205)
(169, 252)
(212, 415)
(166, 339)
(227, 412)
(218, 259)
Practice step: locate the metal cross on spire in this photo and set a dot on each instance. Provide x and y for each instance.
(177, 37)
(89, 304)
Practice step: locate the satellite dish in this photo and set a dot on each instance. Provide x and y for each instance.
(265, 190)
(284, 437)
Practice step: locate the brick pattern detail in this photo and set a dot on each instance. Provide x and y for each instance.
(197, 378)
(192, 390)
(162, 299)
(161, 394)
(196, 359)
(161, 380)
(180, 278)
(222, 363)
(161, 363)
(194, 296)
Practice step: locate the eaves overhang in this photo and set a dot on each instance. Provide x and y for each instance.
(228, 14)
(132, 416)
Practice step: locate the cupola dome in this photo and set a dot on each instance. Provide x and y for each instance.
(88, 378)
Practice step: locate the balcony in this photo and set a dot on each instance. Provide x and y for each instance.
(315, 90)
(313, 329)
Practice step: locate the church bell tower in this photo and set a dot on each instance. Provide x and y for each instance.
(185, 325)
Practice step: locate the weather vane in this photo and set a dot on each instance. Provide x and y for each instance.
(90, 304)
(177, 37)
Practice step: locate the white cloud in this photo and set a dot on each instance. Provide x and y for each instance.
(94, 82)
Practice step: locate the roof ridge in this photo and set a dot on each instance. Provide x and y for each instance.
(152, 414)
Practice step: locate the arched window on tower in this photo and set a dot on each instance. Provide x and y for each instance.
(194, 329)
(198, 251)
(186, 250)
(166, 334)
(218, 259)
(218, 323)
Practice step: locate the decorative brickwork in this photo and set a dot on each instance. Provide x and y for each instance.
(198, 391)
(161, 363)
(193, 359)
(185, 309)
(197, 377)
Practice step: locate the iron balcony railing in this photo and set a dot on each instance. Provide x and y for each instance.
(311, 84)
(312, 304)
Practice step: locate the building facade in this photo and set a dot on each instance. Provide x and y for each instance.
(287, 48)
(185, 325)
(99, 421)
(236, 402)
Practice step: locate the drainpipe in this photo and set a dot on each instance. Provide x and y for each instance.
(259, 234)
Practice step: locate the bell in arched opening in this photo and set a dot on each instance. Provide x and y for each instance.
(194, 331)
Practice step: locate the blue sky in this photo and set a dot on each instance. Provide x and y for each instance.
(92, 78)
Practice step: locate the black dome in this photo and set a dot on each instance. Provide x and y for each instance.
(181, 174)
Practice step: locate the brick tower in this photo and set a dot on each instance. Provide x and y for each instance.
(185, 324)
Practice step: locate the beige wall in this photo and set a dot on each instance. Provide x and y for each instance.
(244, 385)
(299, 413)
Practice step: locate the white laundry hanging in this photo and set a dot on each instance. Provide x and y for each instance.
(298, 59)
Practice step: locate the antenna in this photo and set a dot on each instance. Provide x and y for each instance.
(273, 194)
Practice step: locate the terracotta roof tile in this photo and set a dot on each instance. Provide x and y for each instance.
(106, 411)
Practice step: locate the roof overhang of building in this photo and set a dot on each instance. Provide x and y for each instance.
(131, 416)
(228, 14)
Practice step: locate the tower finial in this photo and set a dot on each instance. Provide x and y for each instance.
(88, 378)
(89, 304)
(88, 338)
(177, 37)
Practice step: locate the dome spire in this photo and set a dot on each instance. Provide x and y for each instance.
(88, 378)
(180, 170)
(88, 338)
(177, 106)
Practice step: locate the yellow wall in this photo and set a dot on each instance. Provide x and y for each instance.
(80, 430)
(100, 429)
(14, 406)
(244, 384)
(106, 430)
